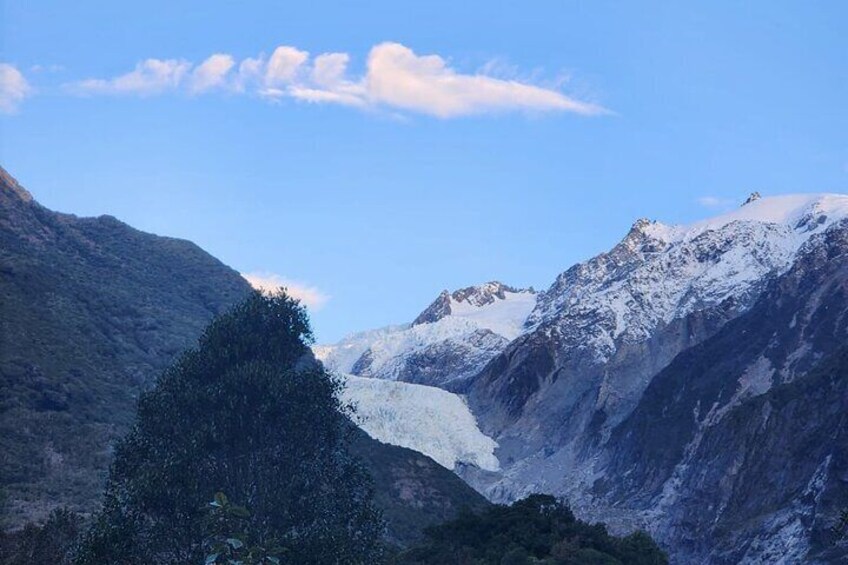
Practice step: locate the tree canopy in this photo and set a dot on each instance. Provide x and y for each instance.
(538, 529)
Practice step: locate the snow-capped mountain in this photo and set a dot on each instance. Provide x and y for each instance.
(623, 384)
(451, 340)
(429, 420)
(602, 323)
(736, 452)
(492, 306)
(555, 397)
(661, 272)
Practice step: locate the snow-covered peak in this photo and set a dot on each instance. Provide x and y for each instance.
(453, 338)
(505, 317)
(804, 214)
(659, 272)
(486, 294)
(494, 305)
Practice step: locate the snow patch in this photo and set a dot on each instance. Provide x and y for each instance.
(504, 317)
(802, 212)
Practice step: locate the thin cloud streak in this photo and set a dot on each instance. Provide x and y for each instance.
(714, 202)
(150, 77)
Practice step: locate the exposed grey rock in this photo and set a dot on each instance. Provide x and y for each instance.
(752, 197)
(738, 451)
(558, 398)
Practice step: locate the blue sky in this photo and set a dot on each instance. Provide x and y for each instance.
(379, 175)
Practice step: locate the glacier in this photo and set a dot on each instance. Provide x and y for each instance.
(426, 419)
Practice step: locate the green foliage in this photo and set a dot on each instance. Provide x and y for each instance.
(251, 414)
(51, 542)
(538, 529)
(229, 538)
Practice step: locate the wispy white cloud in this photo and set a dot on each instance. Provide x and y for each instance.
(322, 96)
(249, 74)
(14, 88)
(398, 77)
(714, 202)
(395, 78)
(151, 76)
(47, 68)
(309, 295)
(329, 69)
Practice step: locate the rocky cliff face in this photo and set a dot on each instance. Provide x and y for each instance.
(690, 382)
(617, 319)
(736, 451)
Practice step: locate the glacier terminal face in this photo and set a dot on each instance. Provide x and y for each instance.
(429, 420)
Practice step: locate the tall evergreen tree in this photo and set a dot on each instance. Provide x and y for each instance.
(250, 414)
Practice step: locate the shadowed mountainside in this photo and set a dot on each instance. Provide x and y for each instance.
(92, 312)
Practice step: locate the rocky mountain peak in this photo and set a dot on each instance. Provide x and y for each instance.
(485, 294)
(476, 296)
(437, 310)
(640, 225)
(640, 234)
(752, 197)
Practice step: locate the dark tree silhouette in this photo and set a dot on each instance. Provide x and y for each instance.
(538, 529)
(249, 413)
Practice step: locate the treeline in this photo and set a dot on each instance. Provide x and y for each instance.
(240, 455)
(539, 529)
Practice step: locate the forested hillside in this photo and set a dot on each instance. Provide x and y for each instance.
(92, 311)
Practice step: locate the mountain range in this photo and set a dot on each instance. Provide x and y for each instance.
(692, 381)
(666, 384)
